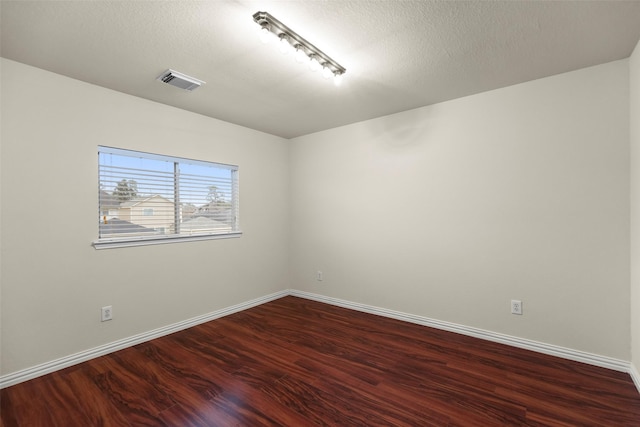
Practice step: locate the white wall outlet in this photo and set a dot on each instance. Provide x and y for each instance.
(516, 306)
(319, 276)
(107, 313)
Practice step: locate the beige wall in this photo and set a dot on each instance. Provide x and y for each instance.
(452, 210)
(54, 282)
(634, 75)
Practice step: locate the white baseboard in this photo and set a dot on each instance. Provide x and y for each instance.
(83, 356)
(550, 349)
(635, 376)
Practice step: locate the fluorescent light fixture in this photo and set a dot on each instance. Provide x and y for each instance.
(305, 51)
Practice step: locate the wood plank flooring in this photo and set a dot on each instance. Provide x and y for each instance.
(294, 362)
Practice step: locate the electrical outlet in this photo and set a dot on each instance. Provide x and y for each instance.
(319, 276)
(107, 313)
(516, 306)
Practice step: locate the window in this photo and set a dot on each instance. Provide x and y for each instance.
(149, 199)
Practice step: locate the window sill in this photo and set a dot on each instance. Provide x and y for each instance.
(145, 241)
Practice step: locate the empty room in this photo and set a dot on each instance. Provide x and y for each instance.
(298, 213)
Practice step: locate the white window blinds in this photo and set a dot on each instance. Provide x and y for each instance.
(149, 198)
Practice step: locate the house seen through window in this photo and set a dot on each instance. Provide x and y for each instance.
(151, 198)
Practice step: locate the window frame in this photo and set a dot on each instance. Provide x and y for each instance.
(129, 241)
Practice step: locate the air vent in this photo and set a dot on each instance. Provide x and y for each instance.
(180, 80)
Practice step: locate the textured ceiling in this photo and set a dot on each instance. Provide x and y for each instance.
(399, 55)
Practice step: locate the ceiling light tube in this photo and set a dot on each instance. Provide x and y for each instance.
(326, 71)
(337, 78)
(314, 64)
(285, 46)
(301, 55)
(265, 34)
(304, 49)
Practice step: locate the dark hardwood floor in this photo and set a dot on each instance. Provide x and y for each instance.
(294, 362)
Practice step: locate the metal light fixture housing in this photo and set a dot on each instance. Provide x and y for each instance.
(282, 32)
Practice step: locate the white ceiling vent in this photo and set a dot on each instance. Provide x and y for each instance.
(180, 80)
